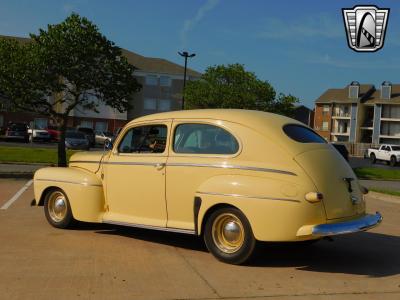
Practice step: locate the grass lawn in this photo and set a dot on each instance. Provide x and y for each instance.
(385, 191)
(377, 173)
(31, 155)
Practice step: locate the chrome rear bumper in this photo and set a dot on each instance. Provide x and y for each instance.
(364, 223)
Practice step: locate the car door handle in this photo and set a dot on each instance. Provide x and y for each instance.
(159, 166)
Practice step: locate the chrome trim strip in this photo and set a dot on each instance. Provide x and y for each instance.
(232, 167)
(364, 223)
(169, 229)
(128, 163)
(116, 163)
(237, 167)
(66, 181)
(248, 196)
(85, 161)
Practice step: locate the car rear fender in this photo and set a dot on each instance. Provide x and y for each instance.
(83, 189)
(274, 205)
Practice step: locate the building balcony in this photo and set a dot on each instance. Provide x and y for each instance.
(347, 133)
(390, 119)
(397, 136)
(341, 115)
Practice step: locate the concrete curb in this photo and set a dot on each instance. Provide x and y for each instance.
(27, 175)
(26, 163)
(384, 197)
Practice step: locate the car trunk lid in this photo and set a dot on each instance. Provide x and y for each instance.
(335, 179)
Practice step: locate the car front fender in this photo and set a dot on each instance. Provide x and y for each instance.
(83, 189)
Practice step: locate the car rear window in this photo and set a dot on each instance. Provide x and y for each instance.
(302, 134)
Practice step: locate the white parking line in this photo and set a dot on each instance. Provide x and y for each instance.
(17, 195)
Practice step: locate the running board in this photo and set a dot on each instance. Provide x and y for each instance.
(169, 229)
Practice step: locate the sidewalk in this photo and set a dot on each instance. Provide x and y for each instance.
(19, 170)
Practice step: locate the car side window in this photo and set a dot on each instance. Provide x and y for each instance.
(204, 139)
(144, 139)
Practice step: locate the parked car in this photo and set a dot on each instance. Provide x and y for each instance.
(16, 132)
(102, 136)
(54, 133)
(89, 132)
(76, 140)
(388, 153)
(342, 150)
(36, 134)
(233, 177)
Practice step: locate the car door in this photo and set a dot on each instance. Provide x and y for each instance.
(389, 152)
(196, 148)
(385, 153)
(135, 176)
(381, 152)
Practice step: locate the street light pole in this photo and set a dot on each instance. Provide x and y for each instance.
(186, 55)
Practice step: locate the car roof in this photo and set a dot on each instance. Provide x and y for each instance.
(251, 118)
(267, 124)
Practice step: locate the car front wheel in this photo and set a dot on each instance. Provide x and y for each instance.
(57, 209)
(228, 236)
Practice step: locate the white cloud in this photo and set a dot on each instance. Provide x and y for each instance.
(316, 26)
(189, 24)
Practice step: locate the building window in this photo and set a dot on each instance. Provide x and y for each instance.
(151, 80)
(101, 126)
(325, 109)
(164, 105)
(86, 124)
(324, 126)
(150, 104)
(40, 123)
(165, 81)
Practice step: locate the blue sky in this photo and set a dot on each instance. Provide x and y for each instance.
(298, 46)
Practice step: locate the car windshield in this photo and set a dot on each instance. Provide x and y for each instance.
(18, 127)
(396, 148)
(74, 135)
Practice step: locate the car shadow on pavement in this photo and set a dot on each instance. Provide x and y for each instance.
(367, 253)
(179, 240)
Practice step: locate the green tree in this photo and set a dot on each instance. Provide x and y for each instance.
(69, 66)
(233, 87)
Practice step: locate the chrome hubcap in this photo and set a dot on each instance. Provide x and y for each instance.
(228, 233)
(57, 206)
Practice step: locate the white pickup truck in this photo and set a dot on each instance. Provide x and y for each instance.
(390, 153)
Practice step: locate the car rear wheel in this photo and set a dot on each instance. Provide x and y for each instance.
(373, 158)
(57, 209)
(228, 236)
(393, 161)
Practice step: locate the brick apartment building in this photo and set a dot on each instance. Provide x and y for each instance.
(359, 113)
(162, 83)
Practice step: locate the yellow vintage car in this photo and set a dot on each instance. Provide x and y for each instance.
(233, 177)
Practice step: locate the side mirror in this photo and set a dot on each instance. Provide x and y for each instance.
(108, 144)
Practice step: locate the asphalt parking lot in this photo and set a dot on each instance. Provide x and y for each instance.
(95, 261)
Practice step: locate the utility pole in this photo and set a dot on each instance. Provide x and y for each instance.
(186, 55)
